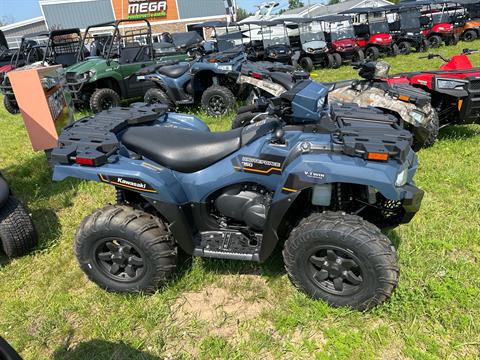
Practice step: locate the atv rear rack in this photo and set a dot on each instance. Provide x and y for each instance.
(91, 140)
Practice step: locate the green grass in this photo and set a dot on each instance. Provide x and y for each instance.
(228, 309)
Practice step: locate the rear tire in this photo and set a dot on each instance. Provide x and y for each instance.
(104, 99)
(424, 46)
(306, 64)
(337, 60)
(470, 35)
(125, 250)
(329, 62)
(341, 259)
(404, 47)
(17, 233)
(372, 53)
(218, 100)
(359, 56)
(395, 51)
(158, 96)
(10, 105)
(435, 41)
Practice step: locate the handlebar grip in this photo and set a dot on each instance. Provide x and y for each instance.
(247, 108)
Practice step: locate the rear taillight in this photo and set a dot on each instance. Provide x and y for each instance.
(84, 161)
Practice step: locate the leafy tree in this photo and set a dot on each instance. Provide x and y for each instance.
(333, 2)
(242, 14)
(293, 4)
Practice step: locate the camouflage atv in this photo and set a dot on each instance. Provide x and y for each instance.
(410, 105)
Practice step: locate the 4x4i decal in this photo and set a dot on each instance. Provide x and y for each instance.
(264, 165)
(130, 183)
(294, 183)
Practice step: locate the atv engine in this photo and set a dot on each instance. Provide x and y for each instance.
(246, 204)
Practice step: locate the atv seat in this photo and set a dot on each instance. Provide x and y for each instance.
(182, 150)
(283, 79)
(174, 71)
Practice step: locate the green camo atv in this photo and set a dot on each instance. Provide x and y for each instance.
(101, 80)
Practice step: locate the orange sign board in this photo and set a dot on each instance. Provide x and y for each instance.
(145, 9)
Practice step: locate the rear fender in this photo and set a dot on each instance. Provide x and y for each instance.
(147, 179)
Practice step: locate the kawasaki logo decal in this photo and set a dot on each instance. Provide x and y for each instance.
(264, 165)
(130, 183)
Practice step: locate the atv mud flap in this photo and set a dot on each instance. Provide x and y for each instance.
(411, 203)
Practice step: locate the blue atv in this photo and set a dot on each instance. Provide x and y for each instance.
(322, 191)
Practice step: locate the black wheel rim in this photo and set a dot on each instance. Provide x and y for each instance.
(217, 105)
(468, 37)
(434, 42)
(106, 103)
(402, 48)
(119, 260)
(369, 54)
(335, 270)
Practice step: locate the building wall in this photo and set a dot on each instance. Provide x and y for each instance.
(14, 36)
(77, 14)
(198, 8)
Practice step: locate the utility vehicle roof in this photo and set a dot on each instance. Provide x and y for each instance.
(264, 22)
(65, 32)
(363, 10)
(299, 20)
(213, 24)
(333, 18)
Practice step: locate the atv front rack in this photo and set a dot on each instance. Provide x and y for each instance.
(365, 131)
(91, 140)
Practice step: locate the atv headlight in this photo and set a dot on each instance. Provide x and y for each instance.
(418, 116)
(225, 67)
(402, 178)
(451, 84)
(320, 103)
(310, 50)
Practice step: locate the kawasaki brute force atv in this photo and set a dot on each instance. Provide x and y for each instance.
(17, 234)
(322, 191)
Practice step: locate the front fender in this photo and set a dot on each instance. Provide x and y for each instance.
(321, 168)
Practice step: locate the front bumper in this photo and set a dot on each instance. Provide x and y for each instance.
(412, 201)
(469, 108)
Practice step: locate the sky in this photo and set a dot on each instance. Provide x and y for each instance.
(18, 10)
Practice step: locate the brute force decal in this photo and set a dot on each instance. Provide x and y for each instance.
(264, 165)
(130, 183)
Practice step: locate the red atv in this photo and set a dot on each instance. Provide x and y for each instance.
(455, 88)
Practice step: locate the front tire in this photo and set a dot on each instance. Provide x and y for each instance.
(395, 51)
(307, 64)
(17, 234)
(10, 105)
(433, 128)
(341, 259)
(372, 53)
(218, 100)
(125, 250)
(337, 60)
(435, 41)
(104, 99)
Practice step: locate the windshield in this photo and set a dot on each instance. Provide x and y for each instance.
(379, 28)
(311, 32)
(227, 41)
(410, 20)
(341, 30)
(440, 17)
(274, 35)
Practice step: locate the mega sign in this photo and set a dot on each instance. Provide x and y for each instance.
(139, 9)
(145, 9)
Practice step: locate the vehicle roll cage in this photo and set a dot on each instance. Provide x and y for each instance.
(115, 41)
(20, 54)
(336, 20)
(66, 43)
(268, 24)
(304, 28)
(228, 39)
(369, 19)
